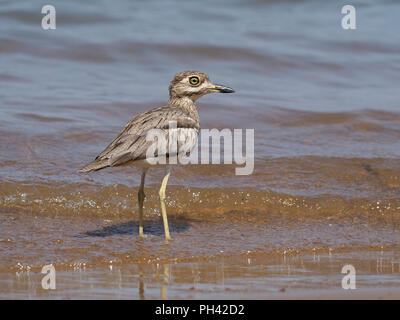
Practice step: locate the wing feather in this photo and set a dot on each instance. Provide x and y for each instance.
(131, 144)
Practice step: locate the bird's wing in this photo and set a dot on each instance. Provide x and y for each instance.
(131, 142)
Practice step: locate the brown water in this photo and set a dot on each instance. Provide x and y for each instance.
(324, 103)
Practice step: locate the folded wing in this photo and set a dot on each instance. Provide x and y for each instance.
(131, 144)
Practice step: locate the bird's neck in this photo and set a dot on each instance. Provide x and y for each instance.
(186, 104)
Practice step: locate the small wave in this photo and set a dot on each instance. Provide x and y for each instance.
(302, 118)
(209, 204)
(68, 50)
(42, 118)
(67, 18)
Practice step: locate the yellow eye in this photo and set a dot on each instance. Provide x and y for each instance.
(194, 81)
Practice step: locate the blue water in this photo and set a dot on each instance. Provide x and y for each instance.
(291, 54)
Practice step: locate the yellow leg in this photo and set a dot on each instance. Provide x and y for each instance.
(163, 209)
(141, 200)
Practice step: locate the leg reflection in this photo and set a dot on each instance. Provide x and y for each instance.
(165, 282)
(141, 284)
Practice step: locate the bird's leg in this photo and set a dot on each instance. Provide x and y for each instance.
(141, 200)
(162, 200)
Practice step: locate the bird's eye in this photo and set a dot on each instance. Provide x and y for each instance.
(194, 81)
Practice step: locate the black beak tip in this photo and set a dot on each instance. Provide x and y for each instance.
(227, 90)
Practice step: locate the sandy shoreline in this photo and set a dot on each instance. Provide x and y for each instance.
(293, 277)
(238, 255)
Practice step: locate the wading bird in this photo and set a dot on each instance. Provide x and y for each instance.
(131, 145)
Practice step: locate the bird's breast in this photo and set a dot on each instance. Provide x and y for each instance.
(184, 139)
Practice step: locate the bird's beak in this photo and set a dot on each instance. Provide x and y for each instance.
(219, 88)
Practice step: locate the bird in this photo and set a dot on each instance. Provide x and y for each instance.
(130, 146)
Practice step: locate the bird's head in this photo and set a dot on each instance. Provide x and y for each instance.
(193, 85)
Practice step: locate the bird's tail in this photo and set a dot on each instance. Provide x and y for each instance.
(95, 165)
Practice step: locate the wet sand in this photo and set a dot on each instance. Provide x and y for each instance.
(222, 257)
(325, 190)
(258, 277)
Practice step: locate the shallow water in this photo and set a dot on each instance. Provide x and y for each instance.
(323, 101)
(315, 275)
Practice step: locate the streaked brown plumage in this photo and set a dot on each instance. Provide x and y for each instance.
(130, 145)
